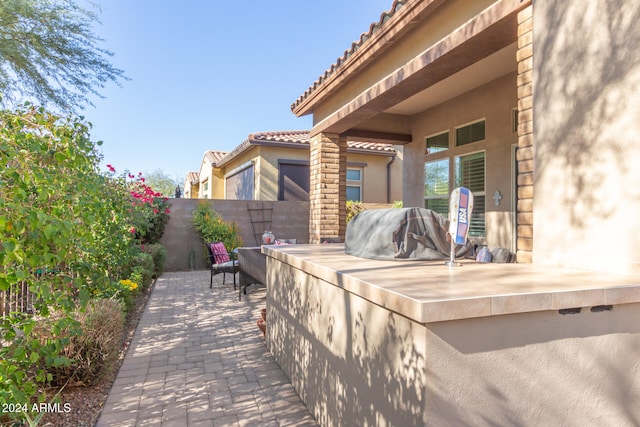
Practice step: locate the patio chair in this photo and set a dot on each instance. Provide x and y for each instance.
(221, 262)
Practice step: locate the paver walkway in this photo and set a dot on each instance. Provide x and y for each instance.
(198, 359)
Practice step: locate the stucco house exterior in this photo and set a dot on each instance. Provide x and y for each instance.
(535, 106)
(275, 166)
(191, 185)
(521, 101)
(210, 182)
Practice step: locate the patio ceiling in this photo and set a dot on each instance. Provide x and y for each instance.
(479, 51)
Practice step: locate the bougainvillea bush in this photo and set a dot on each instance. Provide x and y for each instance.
(69, 234)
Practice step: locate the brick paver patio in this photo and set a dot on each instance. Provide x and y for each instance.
(198, 359)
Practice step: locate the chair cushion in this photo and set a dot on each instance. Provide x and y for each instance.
(219, 252)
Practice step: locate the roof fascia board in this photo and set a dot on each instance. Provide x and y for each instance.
(400, 23)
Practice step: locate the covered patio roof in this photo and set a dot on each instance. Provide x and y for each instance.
(478, 51)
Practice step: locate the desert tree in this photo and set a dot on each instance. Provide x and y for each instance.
(50, 55)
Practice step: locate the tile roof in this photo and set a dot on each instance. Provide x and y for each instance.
(373, 28)
(193, 177)
(300, 139)
(294, 136)
(214, 156)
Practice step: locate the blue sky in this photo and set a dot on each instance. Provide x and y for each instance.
(207, 73)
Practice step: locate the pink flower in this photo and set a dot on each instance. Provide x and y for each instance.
(167, 211)
(111, 168)
(132, 230)
(155, 211)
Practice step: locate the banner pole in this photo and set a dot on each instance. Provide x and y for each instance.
(452, 257)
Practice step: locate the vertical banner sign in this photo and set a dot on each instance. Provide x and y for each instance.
(460, 208)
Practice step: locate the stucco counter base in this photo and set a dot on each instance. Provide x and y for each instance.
(369, 342)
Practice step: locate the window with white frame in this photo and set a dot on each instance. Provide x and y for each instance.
(437, 143)
(354, 184)
(205, 190)
(444, 171)
(436, 186)
(470, 173)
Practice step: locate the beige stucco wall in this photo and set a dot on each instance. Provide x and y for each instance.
(536, 369)
(355, 363)
(586, 127)
(266, 171)
(251, 155)
(190, 191)
(492, 102)
(374, 185)
(269, 172)
(352, 363)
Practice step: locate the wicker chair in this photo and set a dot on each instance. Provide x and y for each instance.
(221, 262)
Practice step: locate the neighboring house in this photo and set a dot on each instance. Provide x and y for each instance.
(275, 166)
(191, 185)
(209, 179)
(458, 84)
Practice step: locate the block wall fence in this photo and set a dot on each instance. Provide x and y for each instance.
(185, 250)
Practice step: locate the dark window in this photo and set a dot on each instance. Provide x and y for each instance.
(293, 181)
(240, 185)
(438, 143)
(470, 133)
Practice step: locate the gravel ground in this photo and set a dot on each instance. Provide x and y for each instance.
(85, 402)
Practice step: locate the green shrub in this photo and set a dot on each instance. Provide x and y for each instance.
(210, 226)
(142, 272)
(123, 291)
(353, 209)
(159, 255)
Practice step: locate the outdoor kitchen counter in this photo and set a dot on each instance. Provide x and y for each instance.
(429, 291)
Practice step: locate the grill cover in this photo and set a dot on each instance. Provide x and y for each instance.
(400, 234)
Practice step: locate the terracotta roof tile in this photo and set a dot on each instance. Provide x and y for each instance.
(373, 28)
(214, 156)
(193, 177)
(299, 138)
(295, 136)
(302, 137)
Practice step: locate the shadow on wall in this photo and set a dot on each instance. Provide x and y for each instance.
(351, 362)
(587, 72)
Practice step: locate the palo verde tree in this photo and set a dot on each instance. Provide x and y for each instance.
(49, 54)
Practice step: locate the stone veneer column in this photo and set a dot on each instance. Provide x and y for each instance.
(526, 146)
(327, 188)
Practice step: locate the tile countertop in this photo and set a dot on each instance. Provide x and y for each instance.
(429, 291)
